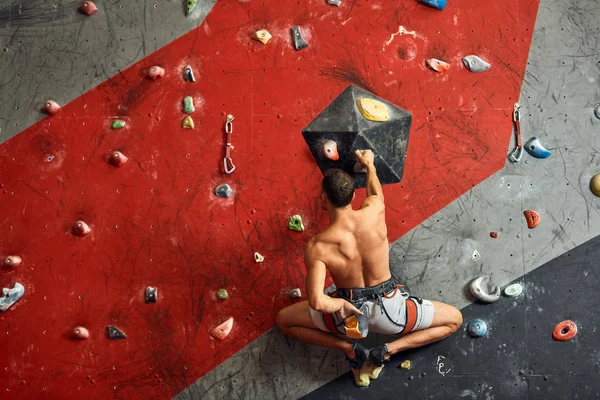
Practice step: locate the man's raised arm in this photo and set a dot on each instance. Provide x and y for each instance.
(366, 158)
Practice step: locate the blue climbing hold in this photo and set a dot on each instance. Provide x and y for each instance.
(536, 149)
(477, 328)
(439, 4)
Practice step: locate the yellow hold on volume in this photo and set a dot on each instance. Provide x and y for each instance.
(373, 110)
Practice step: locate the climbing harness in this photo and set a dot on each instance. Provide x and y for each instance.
(517, 153)
(227, 161)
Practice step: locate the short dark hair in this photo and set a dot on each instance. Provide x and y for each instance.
(339, 187)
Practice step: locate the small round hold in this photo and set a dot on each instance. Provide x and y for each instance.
(88, 8)
(477, 328)
(155, 72)
(230, 117)
(494, 235)
(81, 228)
(330, 150)
(595, 185)
(222, 294)
(258, 257)
(564, 331)
(295, 293)
(513, 290)
(50, 107)
(12, 261)
(79, 332)
(118, 158)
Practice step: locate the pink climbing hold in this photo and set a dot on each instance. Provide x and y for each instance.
(79, 332)
(81, 228)
(51, 107)
(155, 72)
(118, 158)
(221, 331)
(437, 65)
(12, 261)
(330, 150)
(88, 8)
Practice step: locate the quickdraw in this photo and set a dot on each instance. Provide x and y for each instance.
(517, 153)
(227, 161)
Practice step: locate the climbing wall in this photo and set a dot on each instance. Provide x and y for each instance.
(156, 222)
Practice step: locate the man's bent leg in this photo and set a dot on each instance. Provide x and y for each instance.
(295, 321)
(446, 320)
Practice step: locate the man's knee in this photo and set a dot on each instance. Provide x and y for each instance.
(282, 321)
(456, 319)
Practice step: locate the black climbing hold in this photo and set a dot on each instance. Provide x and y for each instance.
(299, 42)
(114, 333)
(188, 74)
(151, 294)
(223, 191)
(343, 123)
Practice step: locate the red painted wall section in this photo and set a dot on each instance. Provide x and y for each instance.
(155, 220)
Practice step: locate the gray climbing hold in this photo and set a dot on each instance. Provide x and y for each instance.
(484, 290)
(295, 293)
(334, 2)
(188, 74)
(597, 111)
(299, 42)
(114, 333)
(188, 105)
(475, 64)
(11, 296)
(223, 191)
(536, 149)
(513, 290)
(151, 294)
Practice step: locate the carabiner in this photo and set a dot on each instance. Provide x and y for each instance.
(225, 164)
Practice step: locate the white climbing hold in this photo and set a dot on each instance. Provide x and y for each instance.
(11, 296)
(258, 257)
(476, 255)
(475, 64)
(483, 289)
(513, 290)
(295, 293)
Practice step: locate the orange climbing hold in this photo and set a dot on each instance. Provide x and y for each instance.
(494, 235)
(155, 72)
(12, 261)
(223, 330)
(51, 107)
(79, 332)
(437, 65)
(564, 331)
(330, 150)
(533, 218)
(117, 158)
(81, 228)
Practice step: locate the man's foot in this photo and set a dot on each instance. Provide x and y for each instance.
(361, 354)
(379, 354)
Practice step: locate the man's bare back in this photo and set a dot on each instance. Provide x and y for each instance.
(355, 248)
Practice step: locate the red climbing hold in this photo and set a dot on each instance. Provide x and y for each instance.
(81, 228)
(221, 331)
(88, 8)
(330, 150)
(118, 158)
(494, 235)
(12, 261)
(156, 72)
(564, 331)
(51, 107)
(533, 218)
(79, 332)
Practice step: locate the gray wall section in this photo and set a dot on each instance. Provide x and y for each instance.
(435, 259)
(48, 50)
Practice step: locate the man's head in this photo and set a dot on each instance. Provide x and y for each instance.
(337, 189)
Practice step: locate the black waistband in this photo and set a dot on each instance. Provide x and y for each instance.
(371, 292)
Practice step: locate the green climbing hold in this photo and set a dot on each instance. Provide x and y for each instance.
(188, 105)
(118, 124)
(295, 224)
(189, 6)
(222, 294)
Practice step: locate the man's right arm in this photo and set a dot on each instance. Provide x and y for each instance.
(366, 158)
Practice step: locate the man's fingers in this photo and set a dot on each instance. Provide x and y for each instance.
(357, 311)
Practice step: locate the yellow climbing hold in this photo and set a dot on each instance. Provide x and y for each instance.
(405, 365)
(188, 123)
(595, 185)
(262, 36)
(368, 371)
(373, 110)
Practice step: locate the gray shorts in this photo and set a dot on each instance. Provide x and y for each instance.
(392, 314)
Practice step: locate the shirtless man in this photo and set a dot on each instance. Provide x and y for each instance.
(355, 251)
